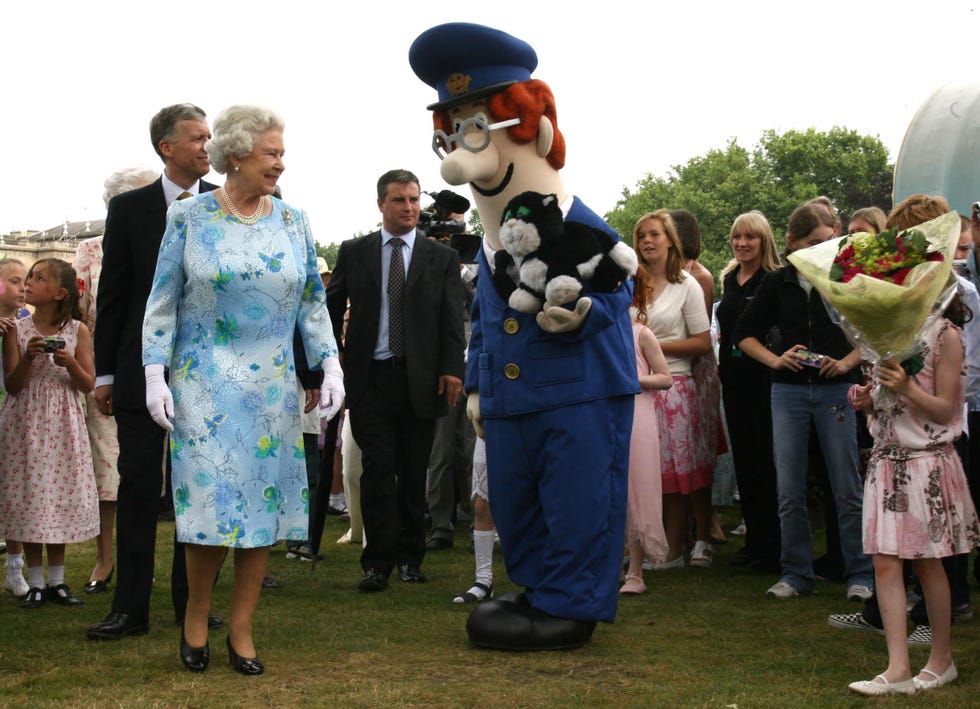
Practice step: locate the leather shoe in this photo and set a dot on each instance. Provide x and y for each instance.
(438, 544)
(101, 585)
(374, 580)
(194, 658)
(62, 595)
(34, 599)
(410, 574)
(244, 665)
(508, 625)
(269, 582)
(116, 626)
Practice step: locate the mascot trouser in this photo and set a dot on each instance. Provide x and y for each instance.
(557, 482)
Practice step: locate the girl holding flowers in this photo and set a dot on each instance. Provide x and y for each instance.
(917, 505)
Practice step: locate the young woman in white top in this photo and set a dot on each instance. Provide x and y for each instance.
(671, 303)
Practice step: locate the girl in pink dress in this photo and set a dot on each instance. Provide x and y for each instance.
(47, 488)
(644, 504)
(917, 505)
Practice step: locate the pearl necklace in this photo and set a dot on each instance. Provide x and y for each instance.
(256, 215)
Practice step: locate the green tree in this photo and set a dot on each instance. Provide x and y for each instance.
(776, 176)
(329, 252)
(474, 225)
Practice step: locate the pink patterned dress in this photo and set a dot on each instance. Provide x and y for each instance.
(47, 488)
(916, 500)
(644, 501)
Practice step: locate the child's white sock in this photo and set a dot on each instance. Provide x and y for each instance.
(15, 568)
(15, 562)
(56, 575)
(35, 576)
(483, 551)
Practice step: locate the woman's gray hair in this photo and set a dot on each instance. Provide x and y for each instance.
(235, 131)
(127, 179)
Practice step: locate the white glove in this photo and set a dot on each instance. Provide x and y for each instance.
(556, 319)
(332, 390)
(159, 400)
(473, 412)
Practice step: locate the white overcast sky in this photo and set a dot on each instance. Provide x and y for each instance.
(640, 86)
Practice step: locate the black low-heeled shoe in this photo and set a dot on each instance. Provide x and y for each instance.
(194, 658)
(244, 665)
(100, 586)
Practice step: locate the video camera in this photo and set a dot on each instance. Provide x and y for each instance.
(437, 221)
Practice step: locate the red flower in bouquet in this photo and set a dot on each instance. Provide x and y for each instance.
(888, 256)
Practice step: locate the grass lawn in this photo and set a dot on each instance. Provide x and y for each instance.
(697, 638)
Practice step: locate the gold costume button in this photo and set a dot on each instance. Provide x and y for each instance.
(512, 371)
(511, 326)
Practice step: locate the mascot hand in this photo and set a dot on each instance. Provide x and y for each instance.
(332, 391)
(556, 319)
(473, 412)
(159, 400)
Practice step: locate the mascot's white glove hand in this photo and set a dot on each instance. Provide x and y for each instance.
(159, 400)
(332, 390)
(556, 319)
(473, 412)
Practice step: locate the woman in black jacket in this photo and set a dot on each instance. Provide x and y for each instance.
(745, 392)
(810, 380)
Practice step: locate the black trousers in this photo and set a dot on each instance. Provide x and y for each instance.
(748, 414)
(395, 446)
(141, 450)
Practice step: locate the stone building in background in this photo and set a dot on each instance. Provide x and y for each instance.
(56, 242)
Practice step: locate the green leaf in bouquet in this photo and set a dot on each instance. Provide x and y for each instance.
(836, 272)
(915, 241)
(890, 238)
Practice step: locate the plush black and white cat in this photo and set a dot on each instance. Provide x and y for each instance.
(553, 259)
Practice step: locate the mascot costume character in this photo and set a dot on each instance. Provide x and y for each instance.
(551, 392)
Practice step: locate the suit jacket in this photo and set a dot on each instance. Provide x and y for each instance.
(434, 341)
(133, 230)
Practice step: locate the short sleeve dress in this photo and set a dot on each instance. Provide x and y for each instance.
(916, 500)
(47, 489)
(225, 302)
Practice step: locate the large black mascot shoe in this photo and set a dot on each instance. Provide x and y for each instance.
(511, 624)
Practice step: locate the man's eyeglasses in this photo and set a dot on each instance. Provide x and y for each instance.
(472, 134)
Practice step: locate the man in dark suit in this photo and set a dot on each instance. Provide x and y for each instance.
(134, 228)
(403, 368)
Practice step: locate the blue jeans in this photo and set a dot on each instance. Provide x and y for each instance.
(794, 407)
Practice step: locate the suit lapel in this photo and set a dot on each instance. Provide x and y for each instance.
(422, 254)
(372, 252)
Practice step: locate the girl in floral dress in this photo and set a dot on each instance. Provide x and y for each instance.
(917, 505)
(12, 278)
(47, 489)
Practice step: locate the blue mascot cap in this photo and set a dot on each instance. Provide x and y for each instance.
(463, 61)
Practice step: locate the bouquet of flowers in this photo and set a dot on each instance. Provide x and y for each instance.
(885, 289)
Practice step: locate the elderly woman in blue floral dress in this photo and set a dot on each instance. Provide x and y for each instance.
(236, 275)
